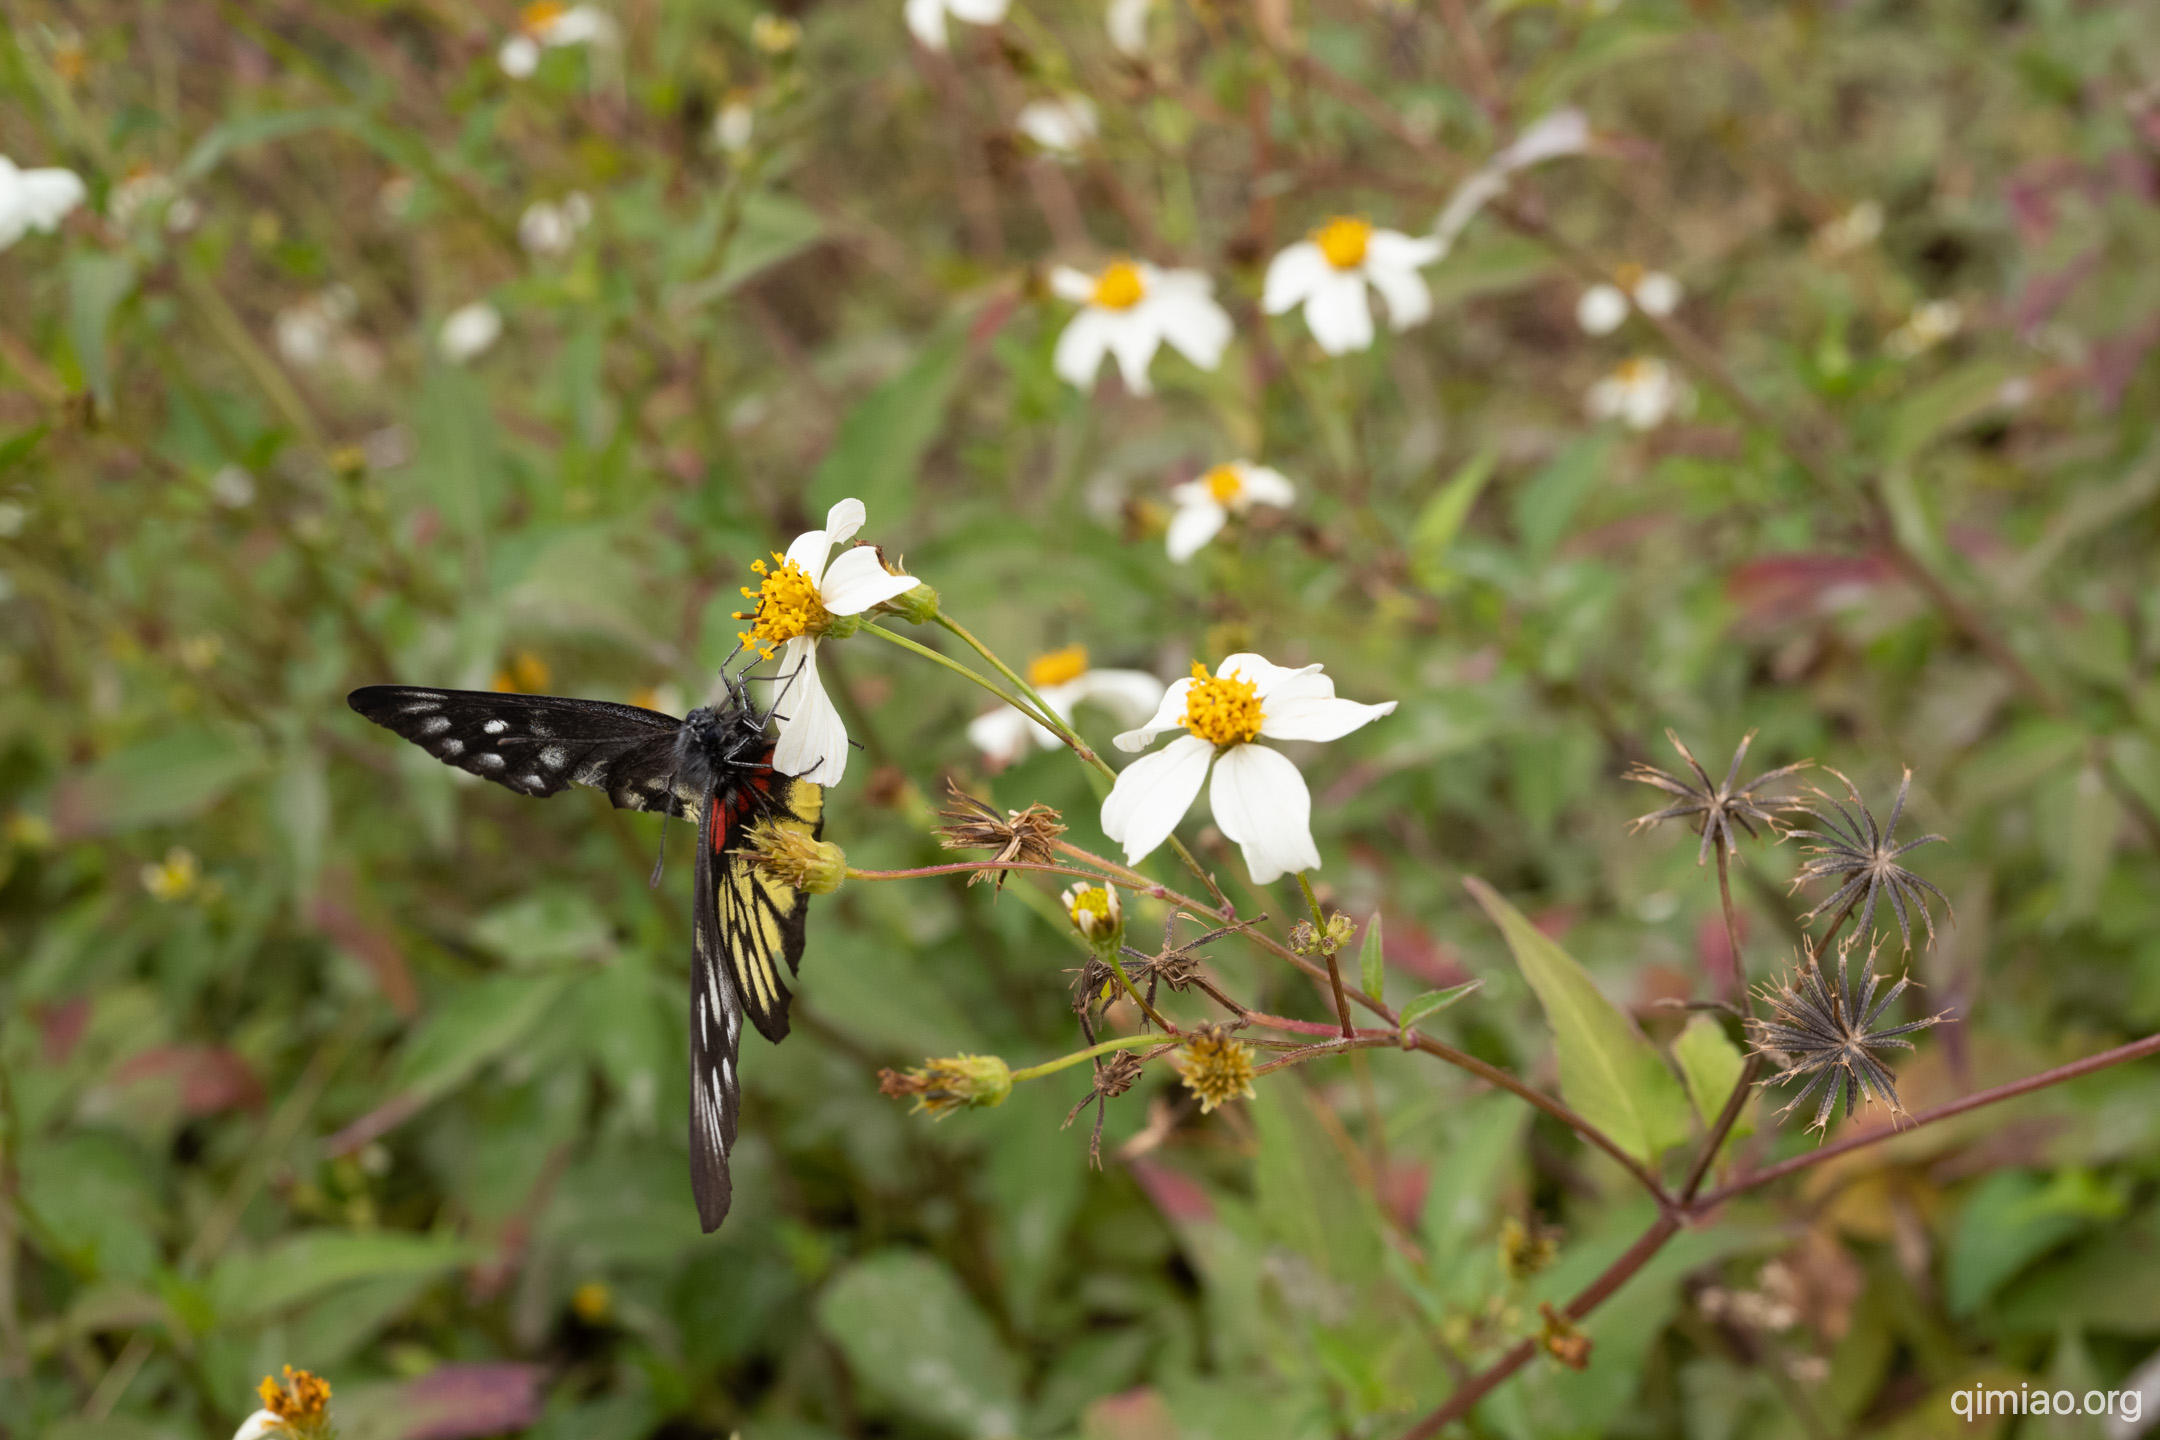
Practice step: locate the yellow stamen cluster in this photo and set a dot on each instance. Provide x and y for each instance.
(1223, 711)
(1525, 1251)
(537, 16)
(592, 1302)
(1344, 240)
(1216, 1068)
(1059, 667)
(302, 1401)
(787, 606)
(794, 857)
(1119, 287)
(956, 1083)
(1095, 913)
(173, 878)
(1224, 483)
(1632, 372)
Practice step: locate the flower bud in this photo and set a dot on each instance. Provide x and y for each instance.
(791, 855)
(958, 1083)
(1097, 914)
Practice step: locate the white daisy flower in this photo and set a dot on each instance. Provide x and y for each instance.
(1328, 273)
(550, 229)
(468, 331)
(35, 199)
(926, 18)
(1126, 20)
(1063, 680)
(1205, 505)
(735, 124)
(1129, 311)
(1603, 307)
(799, 603)
(1564, 132)
(1641, 394)
(547, 25)
(1928, 326)
(1856, 229)
(1258, 798)
(309, 330)
(1063, 124)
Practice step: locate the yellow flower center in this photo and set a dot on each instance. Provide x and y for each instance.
(592, 1302)
(303, 1397)
(537, 16)
(1058, 667)
(1090, 905)
(787, 607)
(1633, 372)
(1343, 240)
(1119, 287)
(1628, 275)
(1221, 711)
(1224, 483)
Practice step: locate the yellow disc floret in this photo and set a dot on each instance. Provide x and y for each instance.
(1216, 1068)
(301, 1402)
(1223, 711)
(1058, 667)
(787, 606)
(1343, 240)
(1224, 483)
(539, 15)
(1119, 287)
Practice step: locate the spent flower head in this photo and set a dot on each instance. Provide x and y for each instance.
(1715, 809)
(1559, 1337)
(960, 1082)
(1028, 836)
(1216, 1066)
(1827, 1034)
(1862, 858)
(790, 854)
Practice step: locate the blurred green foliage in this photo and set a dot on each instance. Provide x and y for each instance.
(315, 1054)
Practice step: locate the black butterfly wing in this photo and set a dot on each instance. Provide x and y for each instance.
(761, 917)
(540, 744)
(716, 1014)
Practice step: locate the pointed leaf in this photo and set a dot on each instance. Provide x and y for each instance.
(914, 1336)
(1433, 1001)
(1371, 966)
(1711, 1065)
(1609, 1073)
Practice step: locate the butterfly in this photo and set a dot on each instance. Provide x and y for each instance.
(715, 767)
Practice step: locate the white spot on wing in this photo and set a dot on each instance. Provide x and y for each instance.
(435, 725)
(490, 761)
(554, 757)
(420, 707)
(451, 749)
(533, 782)
(495, 727)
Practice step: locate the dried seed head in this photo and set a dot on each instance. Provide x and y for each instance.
(959, 1083)
(1824, 1032)
(1217, 1068)
(1026, 835)
(1715, 809)
(1863, 860)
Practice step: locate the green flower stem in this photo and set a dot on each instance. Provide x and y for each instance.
(1066, 1062)
(1150, 1011)
(958, 669)
(1334, 971)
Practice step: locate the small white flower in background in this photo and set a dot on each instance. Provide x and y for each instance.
(35, 199)
(1064, 681)
(141, 190)
(468, 331)
(550, 229)
(926, 18)
(734, 125)
(232, 487)
(1126, 20)
(1329, 272)
(1258, 797)
(1564, 132)
(775, 34)
(1928, 326)
(13, 516)
(1642, 393)
(1205, 505)
(1604, 306)
(308, 329)
(798, 602)
(1064, 124)
(1856, 229)
(550, 26)
(1128, 311)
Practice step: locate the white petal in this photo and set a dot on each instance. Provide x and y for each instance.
(46, 196)
(1003, 735)
(813, 741)
(1080, 349)
(1168, 716)
(1176, 282)
(1604, 399)
(1069, 284)
(1195, 325)
(1295, 272)
(1129, 695)
(1317, 717)
(1261, 802)
(856, 581)
(809, 551)
(1265, 486)
(1126, 21)
(1601, 309)
(1263, 674)
(1393, 250)
(1462, 207)
(1564, 132)
(519, 56)
(1134, 338)
(259, 1425)
(844, 519)
(978, 12)
(1195, 523)
(1658, 293)
(469, 330)
(1409, 302)
(1338, 315)
(1153, 793)
(926, 20)
(580, 25)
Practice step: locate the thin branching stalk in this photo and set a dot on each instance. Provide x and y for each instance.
(1334, 970)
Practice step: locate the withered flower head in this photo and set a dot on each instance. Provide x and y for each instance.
(958, 1083)
(1826, 1033)
(1559, 1338)
(1863, 859)
(1025, 835)
(298, 1408)
(1714, 808)
(793, 856)
(1217, 1068)
(1526, 1250)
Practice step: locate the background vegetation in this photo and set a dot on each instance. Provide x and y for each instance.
(314, 1055)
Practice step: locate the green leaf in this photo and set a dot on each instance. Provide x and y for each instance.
(1942, 406)
(1433, 1001)
(1308, 1199)
(551, 927)
(179, 774)
(1711, 1064)
(2089, 844)
(1442, 519)
(1548, 500)
(884, 437)
(1609, 1073)
(97, 282)
(299, 1267)
(2011, 1219)
(915, 1337)
(471, 1026)
(773, 228)
(1372, 965)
